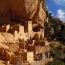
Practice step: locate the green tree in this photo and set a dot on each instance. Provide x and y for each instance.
(55, 62)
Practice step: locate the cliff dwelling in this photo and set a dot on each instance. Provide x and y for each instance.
(22, 32)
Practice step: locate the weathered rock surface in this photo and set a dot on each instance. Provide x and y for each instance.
(25, 9)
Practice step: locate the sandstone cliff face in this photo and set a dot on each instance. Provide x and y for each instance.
(40, 15)
(3, 6)
(3, 12)
(26, 9)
